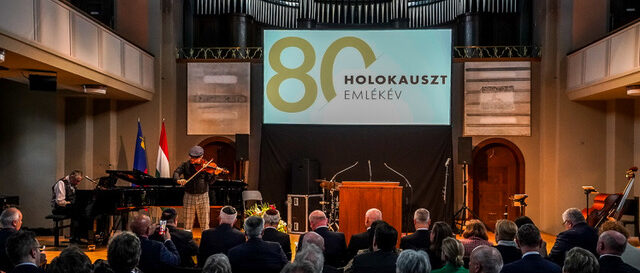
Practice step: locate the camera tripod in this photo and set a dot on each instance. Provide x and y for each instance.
(460, 217)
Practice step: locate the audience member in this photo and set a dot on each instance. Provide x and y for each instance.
(271, 234)
(298, 267)
(335, 246)
(71, 259)
(313, 238)
(123, 253)
(577, 233)
(155, 256)
(631, 254)
(183, 239)
(439, 232)
(452, 255)
(526, 220)
(610, 246)
(475, 234)
(217, 263)
(24, 252)
(256, 255)
(362, 240)
(529, 240)
(412, 261)
(383, 258)
(222, 238)
(312, 254)
(11, 221)
(419, 240)
(485, 259)
(505, 235)
(579, 260)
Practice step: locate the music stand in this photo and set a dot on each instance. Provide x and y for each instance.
(588, 190)
(519, 201)
(462, 212)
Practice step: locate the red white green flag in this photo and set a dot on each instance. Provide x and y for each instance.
(162, 165)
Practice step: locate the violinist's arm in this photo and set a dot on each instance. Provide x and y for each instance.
(176, 174)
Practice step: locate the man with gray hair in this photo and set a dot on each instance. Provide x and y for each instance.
(11, 221)
(271, 234)
(23, 250)
(419, 240)
(411, 261)
(123, 252)
(313, 254)
(610, 246)
(485, 259)
(579, 260)
(222, 238)
(256, 255)
(361, 240)
(577, 233)
(335, 246)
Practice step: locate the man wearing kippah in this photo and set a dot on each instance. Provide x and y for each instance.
(196, 191)
(222, 238)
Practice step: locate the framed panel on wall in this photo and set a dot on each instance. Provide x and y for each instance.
(218, 98)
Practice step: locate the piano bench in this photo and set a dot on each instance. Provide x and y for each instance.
(57, 218)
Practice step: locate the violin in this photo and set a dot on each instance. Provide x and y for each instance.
(208, 166)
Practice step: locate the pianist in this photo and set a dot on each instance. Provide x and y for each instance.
(63, 202)
(196, 191)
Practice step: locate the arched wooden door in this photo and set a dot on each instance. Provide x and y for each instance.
(223, 152)
(496, 173)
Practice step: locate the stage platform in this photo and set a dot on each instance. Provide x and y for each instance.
(101, 252)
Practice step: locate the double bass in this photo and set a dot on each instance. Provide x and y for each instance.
(609, 206)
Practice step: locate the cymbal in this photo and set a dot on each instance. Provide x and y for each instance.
(330, 185)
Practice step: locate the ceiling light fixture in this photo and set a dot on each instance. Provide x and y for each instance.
(1, 56)
(633, 90)
(94, 89)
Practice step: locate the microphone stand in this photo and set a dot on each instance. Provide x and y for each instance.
(444, 188)
(344, 170)
(333, 218)
(407, 203)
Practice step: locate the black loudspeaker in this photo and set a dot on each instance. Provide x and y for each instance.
(242, 147)
(464, 150)
(43, 83)
(304, 172)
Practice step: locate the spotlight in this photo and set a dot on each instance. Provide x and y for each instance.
(633, 90)
(94, 89)
(1, 56)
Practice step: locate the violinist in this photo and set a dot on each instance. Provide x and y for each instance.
(197, 174)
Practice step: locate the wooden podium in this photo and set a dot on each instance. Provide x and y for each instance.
(358, 197)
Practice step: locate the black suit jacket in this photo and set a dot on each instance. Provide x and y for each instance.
(184, 242)
(581, 235)
(273, 235)
(614, 264)
(532, 263)
(157, 256)
(27, 268)
(5, 264)
(509, 253)
(335, 246)
(257, 255)
(375, 262)
(357, 242)
(419, 240)
(218, 240)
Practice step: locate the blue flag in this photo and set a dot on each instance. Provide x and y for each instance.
(140, 158)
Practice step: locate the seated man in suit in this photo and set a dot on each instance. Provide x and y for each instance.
(529, 240)
(155, 256)
(631, 254)
(419, 240)
(335, 246)
(222, 238)
(577, 233)
(361, 240)
(11, 221)
(123, 253)
(384, 255)
(505, 234)
(181, 238)
(256, 255)
(485, 259)
(610, 246)
(580, 260)
(24, 252)
(271, 234)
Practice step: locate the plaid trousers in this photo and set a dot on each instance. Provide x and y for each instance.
(196, 203)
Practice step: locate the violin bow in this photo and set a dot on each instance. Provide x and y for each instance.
(194, 175)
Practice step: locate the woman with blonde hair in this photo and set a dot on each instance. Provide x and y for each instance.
(452, 255)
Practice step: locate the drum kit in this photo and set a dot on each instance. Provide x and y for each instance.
(330, 201)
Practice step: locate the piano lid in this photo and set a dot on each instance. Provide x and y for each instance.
(141, 178)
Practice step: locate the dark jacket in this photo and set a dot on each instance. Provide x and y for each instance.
(357, 242)
(375, 262)
(581, 235)
(273, 235)
(27, 268)
(257, 255)
(5, 264)
(335, 247)
(184, 244)
(532, 263)
(157, 256)
(199, 184)
(218, 240)
(614, 264)
(509, 253)
(419, 240)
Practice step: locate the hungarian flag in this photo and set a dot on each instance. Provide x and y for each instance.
(162, 164)
(140, 157)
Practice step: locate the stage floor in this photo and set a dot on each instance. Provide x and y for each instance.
(101, 252)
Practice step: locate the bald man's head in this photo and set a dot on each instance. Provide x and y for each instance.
(317, 218)
(313, 238)
(371, 216)
(611, 242)
(11, 218)
(140, 225)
